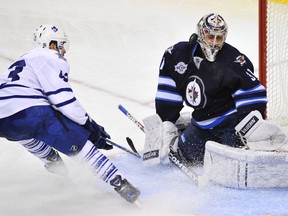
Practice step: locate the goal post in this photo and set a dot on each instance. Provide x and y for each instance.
(262, 5)
(273, 57)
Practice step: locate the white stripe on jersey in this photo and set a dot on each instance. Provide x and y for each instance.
(256, 89)
(245, 102)
(168, 96)
(166, 81)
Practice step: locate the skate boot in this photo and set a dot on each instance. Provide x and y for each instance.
(125, 189)
(55, 164)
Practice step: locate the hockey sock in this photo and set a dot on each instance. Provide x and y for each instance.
(37, 148)
(52, 160)
(98, 162)
(108, 172)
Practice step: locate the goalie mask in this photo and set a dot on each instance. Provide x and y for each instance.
(44, 34)
(212, 32)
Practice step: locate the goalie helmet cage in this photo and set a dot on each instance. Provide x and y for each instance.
(273, 57)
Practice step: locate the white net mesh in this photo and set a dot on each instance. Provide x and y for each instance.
(277, 60)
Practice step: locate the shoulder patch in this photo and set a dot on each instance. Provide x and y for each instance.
(240, 59)
(181, 67)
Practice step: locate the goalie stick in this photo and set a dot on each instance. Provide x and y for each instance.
(132, 118)
(181, 164)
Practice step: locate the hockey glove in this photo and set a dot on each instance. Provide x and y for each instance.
(97, 135)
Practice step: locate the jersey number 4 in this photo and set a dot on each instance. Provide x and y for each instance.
(18, 67)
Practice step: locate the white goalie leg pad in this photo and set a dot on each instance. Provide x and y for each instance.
(170, 141)
(160, 137)
(245, 169)
(260, 134)
(153, 140)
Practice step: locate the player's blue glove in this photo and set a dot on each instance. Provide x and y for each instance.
(97, 135)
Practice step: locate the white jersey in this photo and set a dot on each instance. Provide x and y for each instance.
(39, 78)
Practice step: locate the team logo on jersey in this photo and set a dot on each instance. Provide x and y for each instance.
(195, 95)
(181, 67)
(241, 60)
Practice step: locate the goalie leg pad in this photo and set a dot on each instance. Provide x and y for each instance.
(170, 141)
(153, 139)
(245, 169)
(159, 137)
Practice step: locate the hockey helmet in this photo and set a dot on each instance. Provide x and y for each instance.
(212, 32)
(44, 34)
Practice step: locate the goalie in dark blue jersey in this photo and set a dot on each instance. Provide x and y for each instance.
(216, 81)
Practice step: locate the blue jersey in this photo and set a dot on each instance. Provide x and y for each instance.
(214, 90)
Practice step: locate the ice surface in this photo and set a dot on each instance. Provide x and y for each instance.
(115, 50)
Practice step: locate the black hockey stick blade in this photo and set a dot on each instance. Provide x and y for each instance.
(131, 144)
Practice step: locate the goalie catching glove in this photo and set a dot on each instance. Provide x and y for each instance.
(259, 134)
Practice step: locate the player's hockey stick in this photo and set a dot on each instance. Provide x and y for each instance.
(131, 144)
(136, 122)
(123, 148)
(182, 165)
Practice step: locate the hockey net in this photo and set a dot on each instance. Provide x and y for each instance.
(273, 57)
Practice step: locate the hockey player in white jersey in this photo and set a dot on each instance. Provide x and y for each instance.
(40, 111)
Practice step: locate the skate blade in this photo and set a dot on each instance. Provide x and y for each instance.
(138, 203)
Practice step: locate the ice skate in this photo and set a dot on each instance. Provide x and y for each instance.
(125, 189)
(55, 164)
